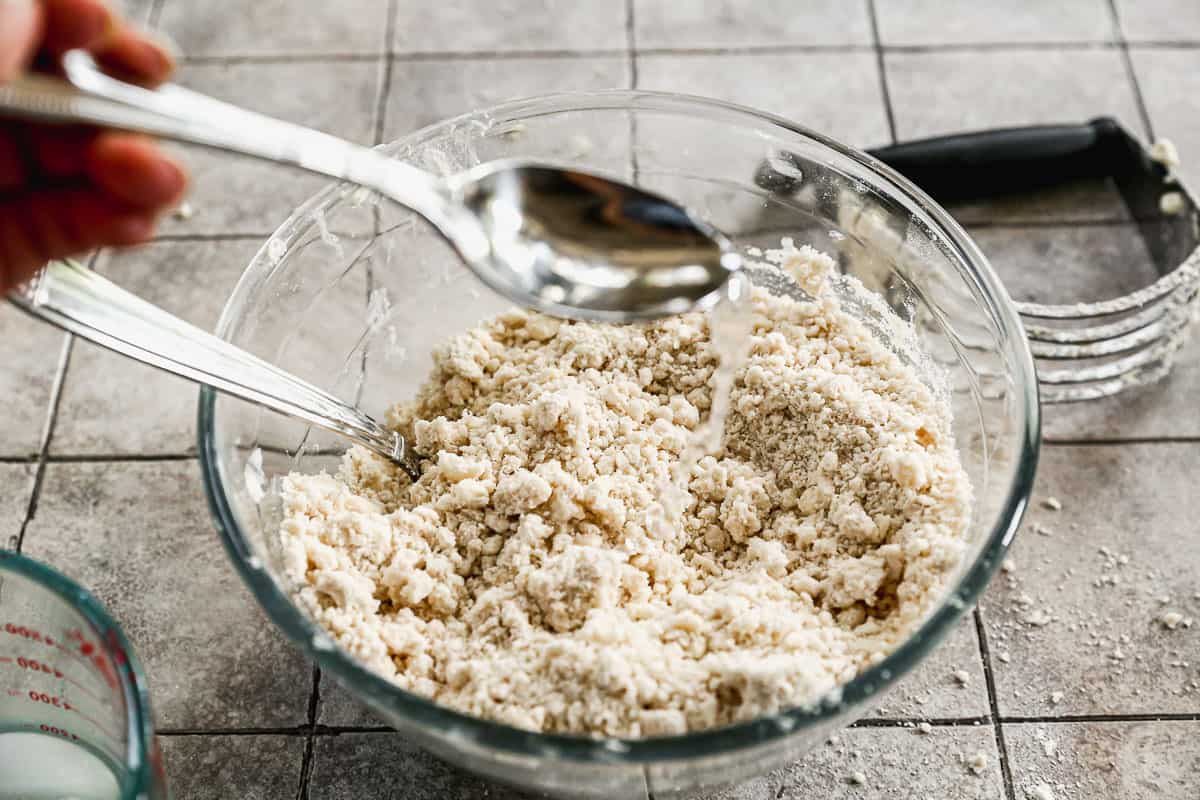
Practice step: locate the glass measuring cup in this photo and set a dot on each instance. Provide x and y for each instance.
(75, 716)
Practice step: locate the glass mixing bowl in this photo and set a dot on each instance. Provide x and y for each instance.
(352, 295)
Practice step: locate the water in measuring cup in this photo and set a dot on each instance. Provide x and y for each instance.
(62, 731)
(44, 766)
(729, 324)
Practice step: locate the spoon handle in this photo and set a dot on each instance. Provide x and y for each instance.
(171, 112)
(91, 307)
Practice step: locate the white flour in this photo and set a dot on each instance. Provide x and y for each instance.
(521, 580)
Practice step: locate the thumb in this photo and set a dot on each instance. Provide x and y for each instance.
(20, 29)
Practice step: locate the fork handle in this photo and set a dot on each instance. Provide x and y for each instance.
(93, 308)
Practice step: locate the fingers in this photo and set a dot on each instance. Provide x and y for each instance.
(13, 172)
(129, 167)
(72, 24)
(118, 48)
(134, 171)
(135, 56)
(65, 191)
(20, 27)
(57, 151)
(58, 223)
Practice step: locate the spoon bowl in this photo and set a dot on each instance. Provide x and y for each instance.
(580, 245)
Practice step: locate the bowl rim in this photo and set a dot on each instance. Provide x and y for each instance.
(420, 712)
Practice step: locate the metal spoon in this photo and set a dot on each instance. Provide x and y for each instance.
(563, 241)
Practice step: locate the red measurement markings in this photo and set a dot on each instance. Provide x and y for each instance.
(49, 700)
(41, 698)
(56, 731)
(85, 652)
(33, 665)
(34, 635)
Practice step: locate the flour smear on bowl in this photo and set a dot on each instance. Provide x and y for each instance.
(527, 578)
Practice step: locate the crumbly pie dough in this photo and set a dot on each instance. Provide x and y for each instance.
(522, 580)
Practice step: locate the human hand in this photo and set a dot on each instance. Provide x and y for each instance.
(65, 190)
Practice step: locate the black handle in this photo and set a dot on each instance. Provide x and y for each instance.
(972, 166)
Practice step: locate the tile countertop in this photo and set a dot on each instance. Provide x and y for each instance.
(1101, 702)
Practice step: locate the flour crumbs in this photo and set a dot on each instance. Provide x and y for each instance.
(522, 579)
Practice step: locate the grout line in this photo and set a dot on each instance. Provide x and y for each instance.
(975, 47)
(632, 51)
(937, 722)
(631, 48)
(314, 698)
(990, 680)
(385, 83)
(103, 458)
(338, 730)
(381, 110)
(296, 731)
(281, 58)
(1102, 718)
(756, 50)
(1054, 442)
(369, 289)
(1164, 44)
(306, 763)
(331, 58)
(1127, 60)
(60, 376)
(517, 55)
(881, 67)
(155, 15)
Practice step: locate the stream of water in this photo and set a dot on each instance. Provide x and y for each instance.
(730, 324)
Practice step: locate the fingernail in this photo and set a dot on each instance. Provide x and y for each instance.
(160, 57)
(166, 181)
(156, 52)
(169, 46)
(132, 230)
